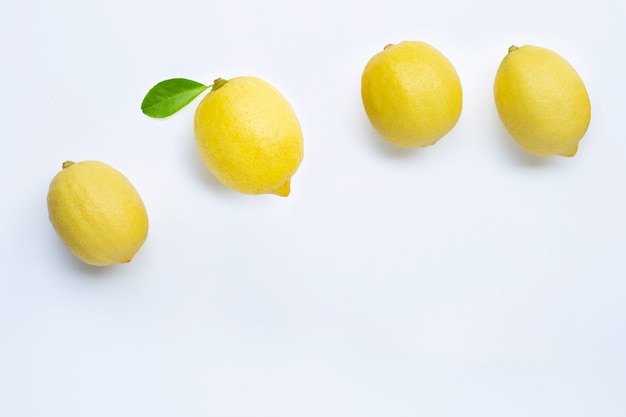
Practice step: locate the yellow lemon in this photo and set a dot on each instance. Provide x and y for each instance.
(412, 94)
(249, 136)
(97, 213)
(542, 101)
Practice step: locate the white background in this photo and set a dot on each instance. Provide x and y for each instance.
(465, 279)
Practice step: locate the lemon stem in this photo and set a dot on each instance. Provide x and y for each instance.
(512, 48)
(67, 164)
(218, 83)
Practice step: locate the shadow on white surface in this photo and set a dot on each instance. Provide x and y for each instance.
(515, 151)
(198, 169)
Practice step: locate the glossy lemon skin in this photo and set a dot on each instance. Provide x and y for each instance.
(97, 213)
(542, 101)
(249, 137)
(412, 94)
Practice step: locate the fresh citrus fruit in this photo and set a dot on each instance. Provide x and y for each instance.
(249, 136)
(97, 213)
(411, 93)
(542, 101)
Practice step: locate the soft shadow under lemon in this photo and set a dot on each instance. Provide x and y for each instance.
(381, 146)
(199, 168)
(515, 150)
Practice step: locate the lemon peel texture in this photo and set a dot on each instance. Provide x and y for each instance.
(542, 101)
(249, 137)
(97, 213)
(412, 94)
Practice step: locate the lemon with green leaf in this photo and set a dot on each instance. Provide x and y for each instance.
(246, 131)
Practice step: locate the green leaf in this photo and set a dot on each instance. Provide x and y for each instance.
(169, 96)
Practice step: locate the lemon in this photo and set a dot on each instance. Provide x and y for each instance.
(542, 101)
(249, 137)
(411, 93)
(97, 213)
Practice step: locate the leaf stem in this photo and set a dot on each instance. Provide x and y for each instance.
(217, 83)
